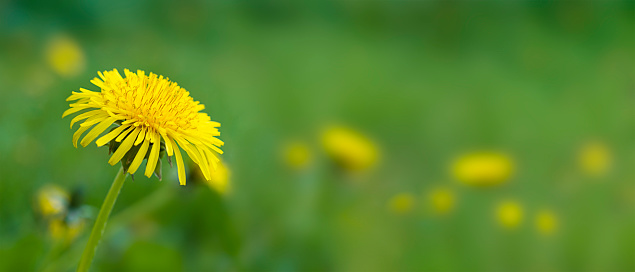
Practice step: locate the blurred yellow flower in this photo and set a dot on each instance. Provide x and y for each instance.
(297, 155)
(65, 56)
(150, 114)
(401, 203)
(220, 179)
(546, 222)
(483, 168)
(442, 200)
(53, 205)
(52, 201)
(66, 232)
(350, 149)
(595, 158)
(509, 214)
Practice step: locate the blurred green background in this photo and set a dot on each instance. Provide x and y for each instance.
(424, 81)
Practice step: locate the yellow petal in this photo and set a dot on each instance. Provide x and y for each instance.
(139, 157)
(95, 119)
(77, 134)
(168, 144)
(213, 147)
(188, 149)
(82, 104)
(99, 84)
(204, 163)
(141, 136)
(98, 129)
(179, 165)
(84, 115)
(124, 133)
(76, 96)
(154, 153)
(111, 135)
(211, 158)
(124, 147)
(71, 111)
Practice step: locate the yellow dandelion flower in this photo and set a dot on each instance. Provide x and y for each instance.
(350, 149)
(509, 214)
(220, 179)
(442, 200)
(65, 56)
(149, 112)
(483, 169)
(64, 231)
(546, 222)
(297, 155)
(595, 158)
(401, 203)
(52, 201)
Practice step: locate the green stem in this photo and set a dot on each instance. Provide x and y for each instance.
(100, 223)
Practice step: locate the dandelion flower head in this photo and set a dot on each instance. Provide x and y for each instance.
(52, 200)
(483, 169)
(150, 113)
(509, 214)
(350, 149)
(53, 204)
(65, 56)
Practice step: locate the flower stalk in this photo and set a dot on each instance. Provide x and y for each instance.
(100, 223)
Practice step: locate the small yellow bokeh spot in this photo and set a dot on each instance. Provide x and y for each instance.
(442, 200)
(402, 203)
(65, 56)
(509, 214)
(220, 179)
(350, 149)
(297, 155)
(483, 168)
(546, 222)
(52, 200)
(595, 159)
